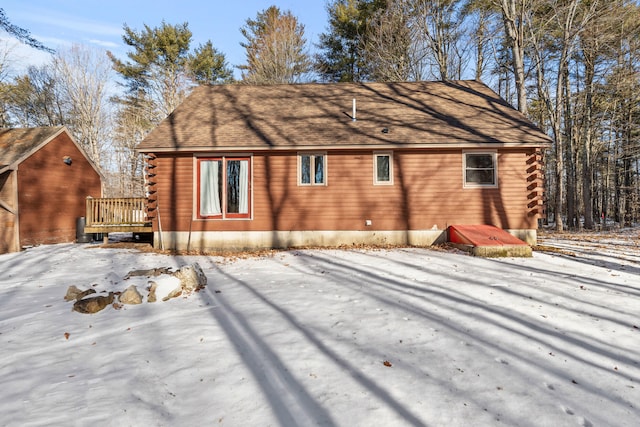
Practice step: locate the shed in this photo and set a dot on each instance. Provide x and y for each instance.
(45, 177)
(243, 166)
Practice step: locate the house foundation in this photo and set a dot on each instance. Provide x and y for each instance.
(256, 240)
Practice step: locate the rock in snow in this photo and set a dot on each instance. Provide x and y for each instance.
(167, 285)
(93, 304)
(73, 293)
(191, 277)
(130, 296)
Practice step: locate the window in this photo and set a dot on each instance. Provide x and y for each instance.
(312, 169)
(480, 170)
(382, 168)
(224, 187)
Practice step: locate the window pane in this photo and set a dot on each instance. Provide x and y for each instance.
(233, 186)
(243, 191)
(382, 168)
(319, 169)
(305, 169)
(480, 169)
(480, 176)
(479, 161)
(210, 187)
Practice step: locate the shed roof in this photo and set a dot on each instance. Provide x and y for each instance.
(300, 116)
(17, 144)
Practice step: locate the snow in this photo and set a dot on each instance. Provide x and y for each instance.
(352, 337)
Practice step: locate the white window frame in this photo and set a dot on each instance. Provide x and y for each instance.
(313, 155)
(494, 156)
(376, 180)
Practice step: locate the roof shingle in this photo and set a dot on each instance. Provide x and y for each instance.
(16, 144)
(319, 115)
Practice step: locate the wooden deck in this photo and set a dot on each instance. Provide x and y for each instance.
(117, 215)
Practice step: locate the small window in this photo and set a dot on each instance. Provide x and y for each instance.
(224, 187)
(382, 168)
(312, 169)
(480, 170)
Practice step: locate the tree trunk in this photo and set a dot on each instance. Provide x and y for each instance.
(513, 16)
(585, 158)
(570, 155)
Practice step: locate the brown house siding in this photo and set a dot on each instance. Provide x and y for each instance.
(428, 125)
(427, 193)
(51, 194)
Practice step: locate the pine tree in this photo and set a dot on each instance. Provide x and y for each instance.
(209, 66)
(275, 48)
(342, 57)
(20, 33)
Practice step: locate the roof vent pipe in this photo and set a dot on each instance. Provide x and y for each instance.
(353, 116)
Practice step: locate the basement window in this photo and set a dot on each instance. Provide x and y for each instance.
(480, 169)
(312, 169)
(224, 187)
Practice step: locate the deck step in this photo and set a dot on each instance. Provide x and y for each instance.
(487, 241)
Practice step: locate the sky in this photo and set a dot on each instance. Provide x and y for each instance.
(354, 338)
(61, 23)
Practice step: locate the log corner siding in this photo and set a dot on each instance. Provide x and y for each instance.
(113, 215)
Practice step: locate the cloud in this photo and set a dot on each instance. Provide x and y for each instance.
(71, 23)
(90, 27)
(104, 43)
(62, 29)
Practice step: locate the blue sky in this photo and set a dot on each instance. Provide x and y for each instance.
(61, 23)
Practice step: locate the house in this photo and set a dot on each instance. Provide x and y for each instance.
(241, 166)
(45, 178)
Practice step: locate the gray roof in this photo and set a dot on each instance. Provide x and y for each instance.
(411, 114)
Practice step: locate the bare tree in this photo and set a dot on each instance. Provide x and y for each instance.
(596, 48)
(623, 88)
(390, 50)
(131, 126)
(33, 99)
(439, 26)
(5, 72)
(415, 39)
(482, 30)
(516, 16)
(554, 41)
(83, 75)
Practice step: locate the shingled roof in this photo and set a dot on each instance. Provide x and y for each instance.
(18, 144)
(388, 115)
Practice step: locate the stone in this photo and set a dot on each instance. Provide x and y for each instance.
(152, 272)
(151, 297)
(173, 294)
(130, 296)
(73, 293)
(192, 278)
(93, 304)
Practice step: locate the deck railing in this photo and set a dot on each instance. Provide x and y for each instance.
(120, 211)
(106, 215)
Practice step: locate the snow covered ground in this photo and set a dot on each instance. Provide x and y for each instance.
(399, 337)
